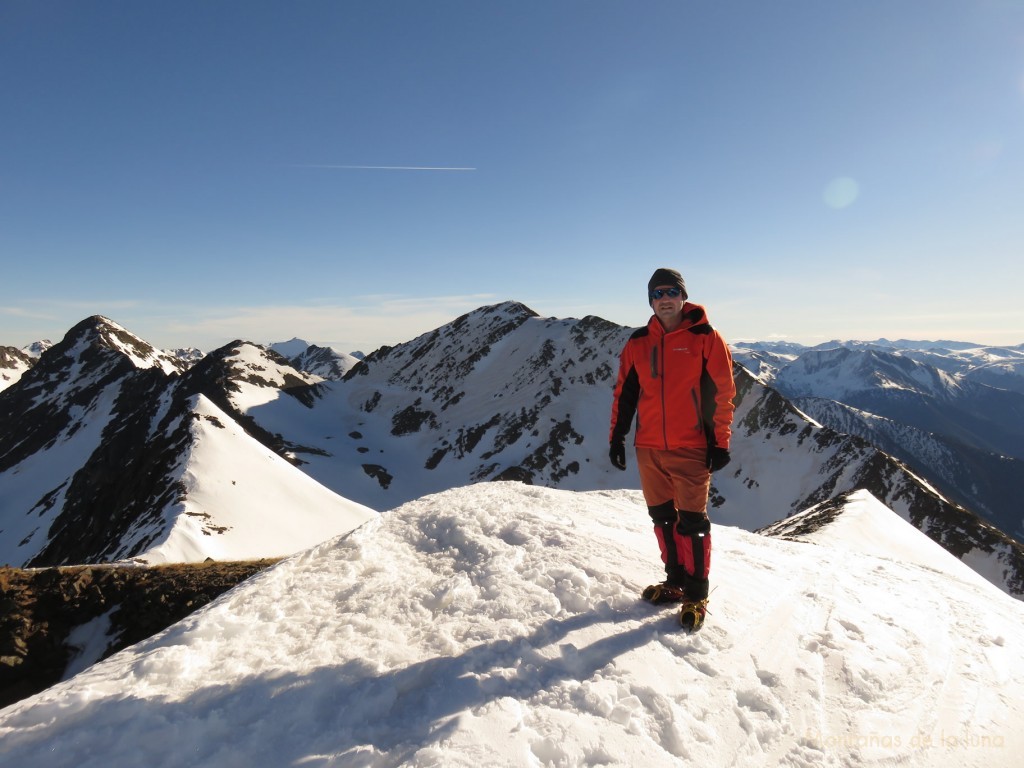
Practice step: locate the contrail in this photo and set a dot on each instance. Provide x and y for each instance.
(388, 167)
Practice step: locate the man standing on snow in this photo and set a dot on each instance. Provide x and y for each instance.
(676, 375)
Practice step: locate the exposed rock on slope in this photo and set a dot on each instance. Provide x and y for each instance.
(59, 620)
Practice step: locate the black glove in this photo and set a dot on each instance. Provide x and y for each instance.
(617, 453)
(717, 458)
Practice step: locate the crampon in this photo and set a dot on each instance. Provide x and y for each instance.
(692, 613)
(659, 594)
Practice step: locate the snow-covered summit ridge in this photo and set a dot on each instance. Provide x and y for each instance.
(498, 624)
(239, 500)
(857, 521)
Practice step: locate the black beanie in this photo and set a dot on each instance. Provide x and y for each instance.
(665, 276)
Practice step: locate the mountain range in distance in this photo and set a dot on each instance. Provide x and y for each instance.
(953, 412)
(113, 450)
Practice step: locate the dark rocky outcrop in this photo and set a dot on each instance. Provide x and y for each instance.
(39, 610)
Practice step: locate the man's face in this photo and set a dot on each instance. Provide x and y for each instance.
(665, 305)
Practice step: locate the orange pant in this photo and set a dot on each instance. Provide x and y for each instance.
(675, 485)
(681, 476)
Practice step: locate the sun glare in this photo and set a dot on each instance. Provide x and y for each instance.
(841, 192)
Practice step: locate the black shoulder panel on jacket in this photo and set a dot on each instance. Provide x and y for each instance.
(703, 329)
(695, 316)
(639, 333)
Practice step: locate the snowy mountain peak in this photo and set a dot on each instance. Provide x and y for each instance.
(468, 337)
(94, 352)
(247, 363)
(499, 393)
(325, 362)
(243, 375)
(101, 332)
(189, 356)
(36, 348)
(509, 310)
(291, 348)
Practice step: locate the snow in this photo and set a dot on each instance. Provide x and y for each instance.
(498, 624)
(136, 350)
(290, 349)
(867, 526)
(36, 348)
(10, 376)
(242, 501)
(89, 641)
(261, 383)
(14, 365)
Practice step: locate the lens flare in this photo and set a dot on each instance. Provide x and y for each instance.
(841, 192)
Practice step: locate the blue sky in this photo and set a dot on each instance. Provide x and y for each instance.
(816, 170)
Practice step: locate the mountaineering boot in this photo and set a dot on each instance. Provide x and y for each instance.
(691, 614)
(658, 594)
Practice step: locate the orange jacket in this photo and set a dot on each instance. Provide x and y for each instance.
(679, 384)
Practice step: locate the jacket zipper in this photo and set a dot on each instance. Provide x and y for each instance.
(664, 408)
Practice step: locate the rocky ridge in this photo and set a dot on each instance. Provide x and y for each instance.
(54, 621)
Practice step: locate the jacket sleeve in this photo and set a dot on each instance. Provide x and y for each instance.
(718, 391)
(625, 398)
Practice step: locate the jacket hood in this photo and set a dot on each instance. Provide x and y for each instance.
(693, 315)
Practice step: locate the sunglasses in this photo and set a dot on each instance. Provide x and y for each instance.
(659, 293)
